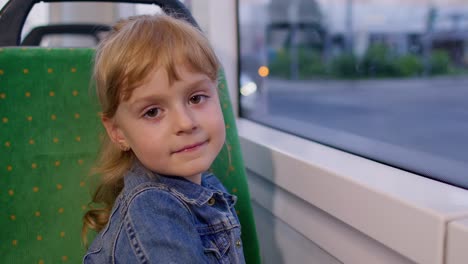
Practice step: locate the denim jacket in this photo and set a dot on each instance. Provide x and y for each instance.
(159, 219)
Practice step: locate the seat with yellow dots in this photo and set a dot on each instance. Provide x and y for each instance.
(49, 136)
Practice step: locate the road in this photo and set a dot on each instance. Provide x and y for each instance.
(426, 115)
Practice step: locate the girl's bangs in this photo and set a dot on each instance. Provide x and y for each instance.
(167, 47)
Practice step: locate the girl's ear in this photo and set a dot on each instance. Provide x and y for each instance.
(114, 132)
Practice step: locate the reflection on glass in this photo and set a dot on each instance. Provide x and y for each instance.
(356, 74)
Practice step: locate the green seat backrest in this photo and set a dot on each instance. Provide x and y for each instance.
(49, 140)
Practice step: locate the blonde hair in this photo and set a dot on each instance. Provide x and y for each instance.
(123, 61)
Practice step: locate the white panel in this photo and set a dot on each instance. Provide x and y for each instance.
(403, 211)
(279, 243)
(457, 242)
(345, 243)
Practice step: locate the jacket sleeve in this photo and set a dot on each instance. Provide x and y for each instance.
(160, 229)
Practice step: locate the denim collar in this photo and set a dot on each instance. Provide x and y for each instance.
(190, 192)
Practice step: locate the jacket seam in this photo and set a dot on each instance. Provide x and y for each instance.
(135, 243)
(114, 246)
(155, 187)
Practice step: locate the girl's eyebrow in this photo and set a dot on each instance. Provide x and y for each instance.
(152, 98)
(196, 84)
(145, 100)
(135, 104)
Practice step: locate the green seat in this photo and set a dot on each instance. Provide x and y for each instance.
(49, 140)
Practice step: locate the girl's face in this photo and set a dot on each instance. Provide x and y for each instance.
(173, 129)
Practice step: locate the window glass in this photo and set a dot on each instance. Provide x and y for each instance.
(52, 18)
(384, 79)
(98, 16)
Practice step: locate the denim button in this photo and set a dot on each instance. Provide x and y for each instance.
(238, 243)
(211, 201)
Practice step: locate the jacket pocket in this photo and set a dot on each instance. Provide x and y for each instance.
(217, 244)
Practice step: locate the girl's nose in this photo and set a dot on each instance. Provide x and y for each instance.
(184, 121)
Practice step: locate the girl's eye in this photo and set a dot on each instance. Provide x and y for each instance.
(152, 113)
(196, 99)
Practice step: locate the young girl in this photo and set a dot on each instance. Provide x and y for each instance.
(157, 86)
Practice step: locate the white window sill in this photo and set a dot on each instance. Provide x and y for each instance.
(405, 212)
(457, 239)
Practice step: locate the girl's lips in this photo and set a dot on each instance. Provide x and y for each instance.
(191, 147)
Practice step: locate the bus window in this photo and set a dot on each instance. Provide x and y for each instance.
(386, 80)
